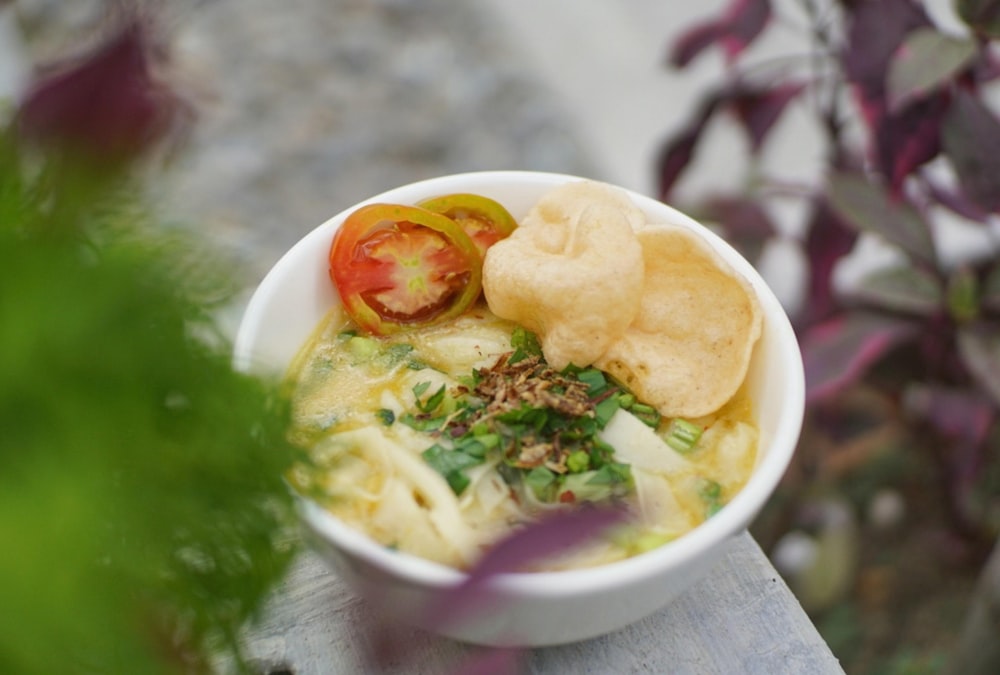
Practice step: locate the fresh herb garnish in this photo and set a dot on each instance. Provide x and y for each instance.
(682, 435)
(539, 425)
(450, 463)
(525, 344)
(710, 492)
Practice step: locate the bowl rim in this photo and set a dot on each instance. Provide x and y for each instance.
(731, 520)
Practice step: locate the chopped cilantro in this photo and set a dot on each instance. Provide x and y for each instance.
(605, 409)
(450, 464)
(525, 344)
(540, 480)
(386, 416)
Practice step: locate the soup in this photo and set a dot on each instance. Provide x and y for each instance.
(481, 373)
(394, 463)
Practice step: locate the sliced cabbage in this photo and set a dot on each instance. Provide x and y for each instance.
(637, 444)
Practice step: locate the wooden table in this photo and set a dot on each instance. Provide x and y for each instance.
(741, 619)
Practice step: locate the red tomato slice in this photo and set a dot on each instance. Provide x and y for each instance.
(483, 219)
(398, 266)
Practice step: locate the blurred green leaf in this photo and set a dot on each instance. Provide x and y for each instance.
(963, 294)
(926, 59)
(866, 206)
(142, 498)
(971, 139)
(981, 15)
(912, 290)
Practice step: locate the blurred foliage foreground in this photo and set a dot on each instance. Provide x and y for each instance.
(142, 508)
(903, 362)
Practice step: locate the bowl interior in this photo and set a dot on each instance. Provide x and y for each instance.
(297, 293)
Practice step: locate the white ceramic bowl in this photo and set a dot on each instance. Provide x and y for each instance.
(540, 608)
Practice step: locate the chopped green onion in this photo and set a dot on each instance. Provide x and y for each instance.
(710, 492)
(646, 414)
(488, 440)
(578, 461)
(683, 435)
(362, 348)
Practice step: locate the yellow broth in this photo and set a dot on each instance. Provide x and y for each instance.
(368, 470)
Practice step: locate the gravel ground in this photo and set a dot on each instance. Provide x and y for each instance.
(307, 106)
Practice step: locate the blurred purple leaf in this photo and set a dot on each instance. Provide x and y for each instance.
(694, 41)
(909, 137)
(758, 110)
(554, 534)
(963, 419)
(906, 289)
(108, 105)
(983, 16)
(828, 240)
(957, 414)
(971, 139)
(979, 349)
(875, 31)
(904, 135)
(738, 26)
(678, 152)
(926, 60)
(986, 67)
(840, 351)
(746, 224)
(865, 205)
(954, 200)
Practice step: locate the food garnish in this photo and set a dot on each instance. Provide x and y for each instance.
(542, 425)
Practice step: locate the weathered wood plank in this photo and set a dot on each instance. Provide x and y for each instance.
(741, 619)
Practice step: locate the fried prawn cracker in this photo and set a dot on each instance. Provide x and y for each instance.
(572, 272)
(689, 348)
